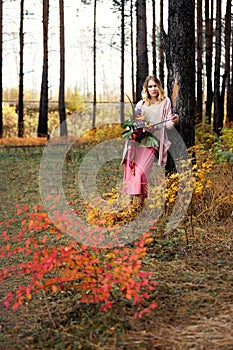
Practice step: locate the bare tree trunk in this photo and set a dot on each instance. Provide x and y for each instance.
(132, 50)
(154, 61)
(199, 61)
(161, 51)
(20, 98)
(227, 59)
(62, 110)
(231, 84)
(122, 59)
(43, 112)
(218, 120)
(1, 117)
(209, 54)
(180, 54)
(141, 46)
(94, 67)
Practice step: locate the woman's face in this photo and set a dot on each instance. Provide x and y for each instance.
(153, 88)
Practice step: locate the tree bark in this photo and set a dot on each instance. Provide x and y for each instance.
(154, 61)
(229, 111)
(94, 67)
(20, 97)
(132, 51)
(141, 47)
(199, 62)
(161, 51)
(180, 57)
(218, 119)
(231, 84)
(1, 58)
(62, 110)
(43, 112)
(122, 88)
(209, 55)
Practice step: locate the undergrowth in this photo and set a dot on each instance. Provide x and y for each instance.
(34, 252)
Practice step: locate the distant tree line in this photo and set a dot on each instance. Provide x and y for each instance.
(194, 56)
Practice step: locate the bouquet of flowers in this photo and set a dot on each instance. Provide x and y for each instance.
(139, 129)
(136, 129)
(137, 132)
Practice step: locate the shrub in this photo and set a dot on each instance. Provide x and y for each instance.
(103, 276)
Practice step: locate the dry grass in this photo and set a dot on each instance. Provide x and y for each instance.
(26, 141)
(194, 292)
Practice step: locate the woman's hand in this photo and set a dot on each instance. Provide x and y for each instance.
(175, 118)
(149, 128)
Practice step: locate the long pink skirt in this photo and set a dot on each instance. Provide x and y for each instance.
(137, 183)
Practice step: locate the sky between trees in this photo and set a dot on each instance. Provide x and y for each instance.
(78, 46)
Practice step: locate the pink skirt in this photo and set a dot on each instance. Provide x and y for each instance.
(137, 183)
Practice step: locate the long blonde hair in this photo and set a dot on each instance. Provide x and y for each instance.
(145, 93)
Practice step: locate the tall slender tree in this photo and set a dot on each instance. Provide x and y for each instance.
(62, 109)
(208, 57)
(1, 91)
(122, 98)
(120, 6)
(227, 60)
(132, 50)
(43, 112)
(94, 66)
(141, 47)
(154, 60)
(21, 74)
(161, 51)
(199, 52)
(218, 118)
(231, 83)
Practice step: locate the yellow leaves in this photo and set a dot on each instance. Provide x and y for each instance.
(227, 138)
(101, 133)
(198, 187)
(110, 256)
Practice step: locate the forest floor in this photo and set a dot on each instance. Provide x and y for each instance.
(194, 292)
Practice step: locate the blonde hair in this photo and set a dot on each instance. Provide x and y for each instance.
(145, 93)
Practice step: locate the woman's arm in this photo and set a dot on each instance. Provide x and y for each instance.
(172, 119)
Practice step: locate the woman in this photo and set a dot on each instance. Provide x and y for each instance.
(142, 145)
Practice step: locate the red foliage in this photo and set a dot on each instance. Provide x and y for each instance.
(104, 276)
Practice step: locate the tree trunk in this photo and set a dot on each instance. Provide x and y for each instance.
(231, 84)
(218, 120)
(43, 112)
(122, 60)
(141, 47)
(62, 110)
(209, 54)
(154, 61)
(20, 98)
(180, 54)
(94, 67)
(161, 52)
(132, 50)
(227, 60)
(1, 117)
(199, 62)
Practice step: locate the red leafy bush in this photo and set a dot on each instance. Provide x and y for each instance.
(103, 276)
